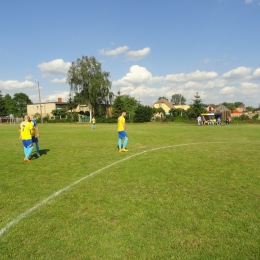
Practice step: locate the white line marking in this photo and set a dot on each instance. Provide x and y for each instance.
(57, 193)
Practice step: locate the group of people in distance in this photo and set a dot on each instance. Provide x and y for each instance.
(29, 134)
(212, 121)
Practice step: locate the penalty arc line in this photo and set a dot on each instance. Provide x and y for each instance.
(57, 193)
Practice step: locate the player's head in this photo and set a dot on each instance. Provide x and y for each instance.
(26, 118)
(123, 113)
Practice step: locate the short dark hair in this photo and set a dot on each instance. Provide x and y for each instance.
(123, 111)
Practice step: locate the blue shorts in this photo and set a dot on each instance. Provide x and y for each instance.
(27, 143)
(34, 139)
(122, 134)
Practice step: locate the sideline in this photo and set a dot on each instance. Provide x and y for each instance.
(57, 193)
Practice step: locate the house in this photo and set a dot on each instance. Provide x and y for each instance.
(241, 108)
(166, 105)
(211, 108)
(184, 107)
(46, 107)
(223, 112)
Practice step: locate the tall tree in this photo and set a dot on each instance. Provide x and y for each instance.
(71, 104)
(21, 102)
(197, 107)
(125, 102)
(162, 98)
(3, 110)
(85, 76)
(143, 114)
(230, 106)
(237, 104)
(178, 99)
(9, 104)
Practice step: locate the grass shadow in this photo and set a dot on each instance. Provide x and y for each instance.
(42, 152)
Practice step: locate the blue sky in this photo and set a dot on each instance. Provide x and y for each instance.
(151, 48)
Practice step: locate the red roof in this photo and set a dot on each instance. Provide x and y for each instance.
(236, 112)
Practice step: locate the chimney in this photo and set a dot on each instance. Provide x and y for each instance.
(59, 99)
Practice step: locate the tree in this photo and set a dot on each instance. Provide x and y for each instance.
(59, 112)
(230, 106)
(143, 114)
(125, 102)
(85, 77)
(3, 110)
(178, 112)
(197, 108)
(162, 98)
(178, 99)
(250, 108)
(237, 104)
(21, 102)
(71, 104)
(9, 104)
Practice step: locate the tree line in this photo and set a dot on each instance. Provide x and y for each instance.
(16, 105)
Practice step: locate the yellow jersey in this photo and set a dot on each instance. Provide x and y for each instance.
(121, 122)
(25, 130)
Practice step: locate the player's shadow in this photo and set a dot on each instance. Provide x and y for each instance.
(41, 152)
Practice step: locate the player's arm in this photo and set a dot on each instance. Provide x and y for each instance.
(20, 134)
(37, 131)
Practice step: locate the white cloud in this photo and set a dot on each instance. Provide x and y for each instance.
(137, 74)
(206, 61)
(16, 85)
(55, 67)
(137, 55)
(248, 1)
(141, 84)
(59, 81)
(195, 76)
(256, 73)
(248, 88)
(114, 52)
(237, 73)
(228, 90)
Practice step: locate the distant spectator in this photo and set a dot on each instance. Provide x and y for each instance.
(199, 120)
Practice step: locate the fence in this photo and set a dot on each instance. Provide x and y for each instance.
(10, 120)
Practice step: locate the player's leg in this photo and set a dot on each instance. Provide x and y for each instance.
(29, 151)
(119, 144)
(37, 146)
(37, 149)
(125, 142)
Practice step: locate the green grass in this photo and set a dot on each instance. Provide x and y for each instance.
(195, 197)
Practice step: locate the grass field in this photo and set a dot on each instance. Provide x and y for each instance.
(181, 192)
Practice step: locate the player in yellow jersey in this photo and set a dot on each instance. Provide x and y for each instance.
(122, 132)
(93, 120)
(26, 130)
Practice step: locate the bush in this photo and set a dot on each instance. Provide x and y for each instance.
(106, 120)
(255, 117)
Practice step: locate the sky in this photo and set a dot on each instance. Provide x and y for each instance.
(151, 48)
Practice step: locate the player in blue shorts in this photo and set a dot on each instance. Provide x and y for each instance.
(122, 132)
(35, 136)
(26, 129)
